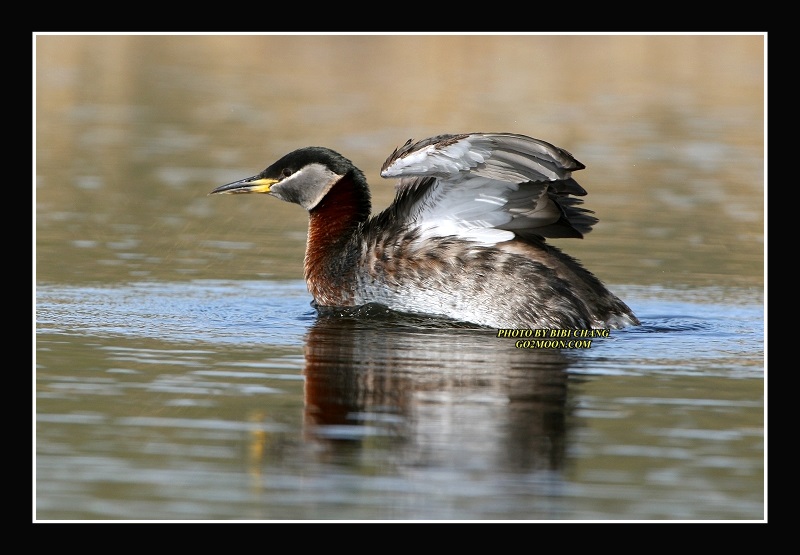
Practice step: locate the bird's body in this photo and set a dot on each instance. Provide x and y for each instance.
(463, 239)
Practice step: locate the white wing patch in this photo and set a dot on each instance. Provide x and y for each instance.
(472, 210)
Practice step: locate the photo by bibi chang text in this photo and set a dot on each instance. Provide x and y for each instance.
(552, 338)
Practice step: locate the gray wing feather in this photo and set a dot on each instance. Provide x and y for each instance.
(489, 182)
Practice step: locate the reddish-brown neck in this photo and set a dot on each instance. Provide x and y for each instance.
(332, 223)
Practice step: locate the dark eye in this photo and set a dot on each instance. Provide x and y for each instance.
(286, 172)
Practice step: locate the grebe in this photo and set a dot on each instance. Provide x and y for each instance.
(463, 239)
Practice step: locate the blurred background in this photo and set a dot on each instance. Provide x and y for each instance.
(133, 131)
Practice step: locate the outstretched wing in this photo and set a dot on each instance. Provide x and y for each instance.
(488, 187)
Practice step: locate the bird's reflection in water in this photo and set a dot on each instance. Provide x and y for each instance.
(434, 393)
